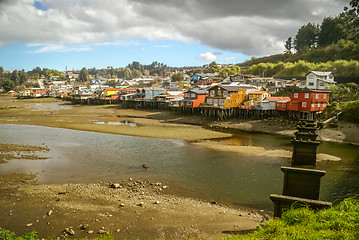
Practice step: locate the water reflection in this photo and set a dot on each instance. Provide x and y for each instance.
(118, 123)
(79, 156)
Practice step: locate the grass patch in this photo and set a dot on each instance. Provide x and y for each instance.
(8, 235)
(338, 222)
(3, 107)
(21, 148)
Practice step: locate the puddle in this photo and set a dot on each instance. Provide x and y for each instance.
(48, 106)
(129, 123)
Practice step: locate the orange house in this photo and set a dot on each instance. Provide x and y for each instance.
(193, 98)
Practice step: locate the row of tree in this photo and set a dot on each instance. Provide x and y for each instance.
(332, 29)
(288, 70)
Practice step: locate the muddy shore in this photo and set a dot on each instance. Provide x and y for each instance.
(135, 208)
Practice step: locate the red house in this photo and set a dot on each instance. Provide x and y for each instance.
(309, 101)
(193, 98)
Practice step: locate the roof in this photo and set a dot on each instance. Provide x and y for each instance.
(112, 89)
(258, 92)
(198, 91)
(320, 73)
(277, 99)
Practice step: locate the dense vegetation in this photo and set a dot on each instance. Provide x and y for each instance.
(344, 70)
(338, 222)
(8, 235)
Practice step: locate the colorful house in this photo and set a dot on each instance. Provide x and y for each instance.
(270, 103)
(308, 101)
(193, 98)
(226, 96)
(108, 92)
(255, 98)
(152, 92)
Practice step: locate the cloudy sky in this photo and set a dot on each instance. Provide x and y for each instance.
(100, 33)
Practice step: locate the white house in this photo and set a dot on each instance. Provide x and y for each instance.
(269, 103)
(317, 80)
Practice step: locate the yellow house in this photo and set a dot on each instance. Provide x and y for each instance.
(230, 96)
(235, 98)
(184, 84)
(110, 91)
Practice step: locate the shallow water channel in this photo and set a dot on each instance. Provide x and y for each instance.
(80, 156)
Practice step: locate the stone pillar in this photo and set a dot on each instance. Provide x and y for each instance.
(305, 143)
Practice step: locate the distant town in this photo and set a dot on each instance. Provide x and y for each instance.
(186, 89)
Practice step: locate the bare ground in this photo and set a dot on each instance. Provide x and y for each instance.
(139, 209)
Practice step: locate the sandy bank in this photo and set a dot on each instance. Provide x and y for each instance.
(134, 209)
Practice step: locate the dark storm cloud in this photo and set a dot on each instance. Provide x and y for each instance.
(252, 27)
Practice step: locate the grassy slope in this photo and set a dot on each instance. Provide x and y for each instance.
(339, 222)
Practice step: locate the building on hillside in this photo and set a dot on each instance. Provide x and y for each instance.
(193, 98)
(308, 101)
(269, 103)
(184, 84)
(317, 80)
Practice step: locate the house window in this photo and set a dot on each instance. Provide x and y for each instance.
(210, 101)
(324, 96)
(225, 93)
(212, 93)
(283, 105)
(186, 95)
(306, 95)
(230, 102)
(317, 96)
(302, 83)
(319, 105)
(193, 95)
(310, 76)
(324, 104)
(313, 105)
(295, 95)
(304, 104)
(321, 84)
(311, 84)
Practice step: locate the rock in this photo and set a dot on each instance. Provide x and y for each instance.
(29, 224)
(121, 205)
(140, 204)
(157, 202)
(49, 213)
(115, 185)
(84, 226)
(145, 166)
(102, 231)
(90, 231)
(69, 231)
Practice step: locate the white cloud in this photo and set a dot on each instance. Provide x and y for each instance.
(208, 57)
(248, 27)
(43, 48)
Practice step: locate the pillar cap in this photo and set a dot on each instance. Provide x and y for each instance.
(303, 170)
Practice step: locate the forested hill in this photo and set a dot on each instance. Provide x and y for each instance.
(331, 46)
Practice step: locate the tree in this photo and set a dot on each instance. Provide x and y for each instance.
(213, 67)
(288, 45)
(306, 37)
(15, 77)
(177, 77)
(7, 84)
(330, 32)
(128, 73)
(84, 74)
